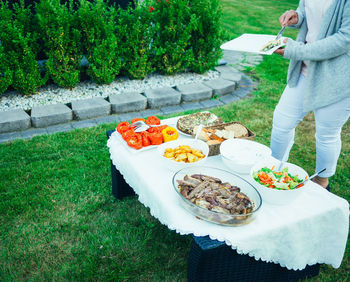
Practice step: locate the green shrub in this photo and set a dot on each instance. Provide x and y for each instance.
(20, 67)
(136, 32)
(6, 73)
(100, 43)
(174, 24)
(168, 36)
(59, 28)
(207, 35)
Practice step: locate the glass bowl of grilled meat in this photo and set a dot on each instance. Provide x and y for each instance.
(217, 195)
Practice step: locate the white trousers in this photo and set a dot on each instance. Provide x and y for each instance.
(328, 120)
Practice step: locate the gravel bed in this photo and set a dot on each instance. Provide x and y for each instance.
(52, 94)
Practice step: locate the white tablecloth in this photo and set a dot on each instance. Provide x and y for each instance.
(312, 229)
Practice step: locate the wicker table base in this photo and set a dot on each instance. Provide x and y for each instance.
(212, 260)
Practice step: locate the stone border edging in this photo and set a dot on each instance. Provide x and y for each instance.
(84, 113)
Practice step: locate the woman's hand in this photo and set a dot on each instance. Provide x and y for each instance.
(280, 51)
(288, 18)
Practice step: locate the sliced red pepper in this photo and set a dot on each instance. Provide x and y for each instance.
(160, 128)
(135, 141)
(123, 125)
(156, 138)
(145, 139)
(157, 129)
(153, 120)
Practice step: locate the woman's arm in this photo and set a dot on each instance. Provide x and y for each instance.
(327, 48)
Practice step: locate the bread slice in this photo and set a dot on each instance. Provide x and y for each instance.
(238, 129)
(213, 142)
(203, 135)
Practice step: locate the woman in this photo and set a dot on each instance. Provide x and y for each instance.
(318, 80)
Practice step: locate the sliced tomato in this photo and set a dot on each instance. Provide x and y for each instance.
(153, 120)
(123, 128)
(137, 119)
(135, 141)
(126, 134)
(122, 125)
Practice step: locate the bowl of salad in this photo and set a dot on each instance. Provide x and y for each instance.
(278, 187)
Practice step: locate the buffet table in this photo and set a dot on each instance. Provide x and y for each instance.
(311, 230)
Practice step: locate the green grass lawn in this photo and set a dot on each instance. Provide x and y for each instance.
(58, 220)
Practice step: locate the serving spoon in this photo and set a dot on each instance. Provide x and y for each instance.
(312, 176)
(140, 126)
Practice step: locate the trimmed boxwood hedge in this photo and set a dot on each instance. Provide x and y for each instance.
(164, 36)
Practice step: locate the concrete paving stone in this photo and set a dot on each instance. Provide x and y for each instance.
(229, 73)
(234, 67)
(229, 98)
(171, 109)
(128, 102)
(221, 86)
(194, 92)
(246, 81)
(84, 123)
(255, 59)
(7, 137)
(107, 119)
(226, 68)
(192, 106)
(90, 108)
(248, 65)
(43, 116)
(160, 97)
(243, 91)
(236, 77)
(27, 134)
(233, 57)
(14, 120)
(238, 67)
(128, 116)
(151, 112)
(211, 103)
(59, 128)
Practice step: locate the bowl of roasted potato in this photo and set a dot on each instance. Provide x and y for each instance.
(183, 153)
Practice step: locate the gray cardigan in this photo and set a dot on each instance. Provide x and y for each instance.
(328, 74)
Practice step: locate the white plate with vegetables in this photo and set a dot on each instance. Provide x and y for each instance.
(254, 43)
